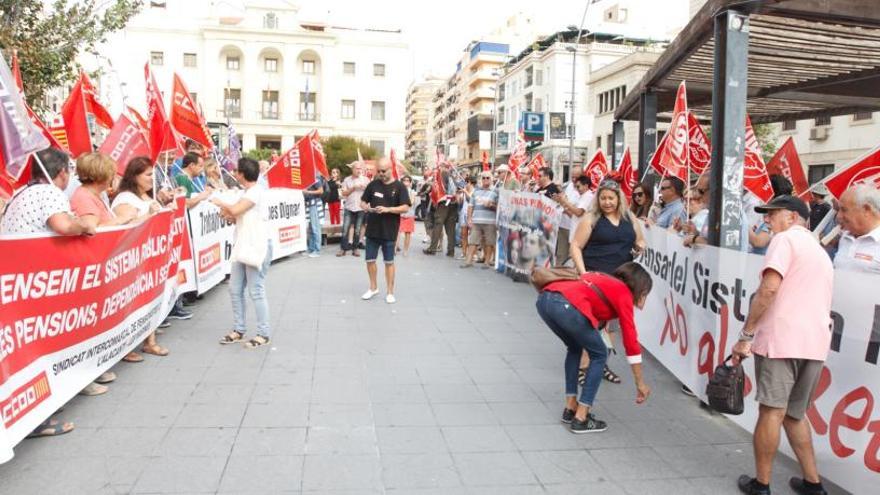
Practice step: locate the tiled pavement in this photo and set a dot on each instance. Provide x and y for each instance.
(456, 389)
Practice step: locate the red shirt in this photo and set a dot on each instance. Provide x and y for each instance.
(591, 305)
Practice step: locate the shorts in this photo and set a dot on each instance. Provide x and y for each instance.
(407, 225)
(787, 383)
(483, 233)
(373, 246)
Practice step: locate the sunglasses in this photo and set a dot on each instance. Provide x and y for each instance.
(638, 195)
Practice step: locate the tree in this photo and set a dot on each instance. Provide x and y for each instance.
(342, 150)
(48, 39)
(260, 154)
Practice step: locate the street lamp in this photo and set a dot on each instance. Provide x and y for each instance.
(573, 50)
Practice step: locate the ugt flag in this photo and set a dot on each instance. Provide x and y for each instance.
(755, 178)
(597, 169)
(787, 164)
(673, 153)
(866, 169)
(19, 137)
(185, 116)
(628, 178)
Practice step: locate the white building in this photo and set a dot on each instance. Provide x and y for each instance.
(274, 72)
(420, 120)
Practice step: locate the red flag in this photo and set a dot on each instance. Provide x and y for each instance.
(787, 164)
(314, 154)
(93, 106)
(395, 165)
(290, 171)
(161, 134)
(124, 143)
(699, 147)
(16, 72)
(138, 118)
(75, 122)
(518, 157)
(755, 178)
(439, 189)
(628, 178)
(597, 169)
(185, 116)
(536, 165)
(671, 157)
(485, 159)
(865, 169)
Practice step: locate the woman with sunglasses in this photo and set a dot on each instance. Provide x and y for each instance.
(607, 237)
(642, 199)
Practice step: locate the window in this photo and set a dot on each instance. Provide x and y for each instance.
(823, 120)
(611, 99)
(157, 58)
(270, 21)
(816, 173)
(529, 102)
(789, 125)
(270, 65)
(232, 103)
(377, 110)
(609, 145)
(233, 63)
(378, 145)
(530, 74)
(307, 106)
(379, 70)
(539, 107)
(348, 68)
(539, 77)
(865, 115)
(308, 66)
(189, 59)
(598, 142)
(500, 113)
(348, 109)
(194, 97)
(501, 92)
(155, 4)
(270, 105)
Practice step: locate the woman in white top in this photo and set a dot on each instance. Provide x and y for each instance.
(251, 255)
(133, 200)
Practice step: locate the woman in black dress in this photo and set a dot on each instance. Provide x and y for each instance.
(607, 237)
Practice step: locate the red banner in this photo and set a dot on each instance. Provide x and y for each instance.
(755, 178)
(787, 164)
(185, 116)
(597, 169)
(124, 143)
(866, 169)
(672, 155)
(289, 171)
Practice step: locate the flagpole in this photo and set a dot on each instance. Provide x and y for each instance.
(223, 170)
(42, 167)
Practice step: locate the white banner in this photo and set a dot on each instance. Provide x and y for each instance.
(212, 238)
(696, 309)
(527, 227)
(287, 221)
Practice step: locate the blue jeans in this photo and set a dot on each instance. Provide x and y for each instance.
(576, 332)
(314, 236)
(373, 246)
(349, 219)
(243, 275)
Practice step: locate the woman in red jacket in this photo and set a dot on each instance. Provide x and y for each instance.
(574, 310)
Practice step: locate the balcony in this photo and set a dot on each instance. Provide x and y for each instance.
(481, 94)
(268, 115)
(309, 116)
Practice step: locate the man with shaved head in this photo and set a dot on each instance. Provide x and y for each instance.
(384, 200)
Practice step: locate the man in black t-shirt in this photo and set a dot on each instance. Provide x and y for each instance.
(384, 200)
(546, 186)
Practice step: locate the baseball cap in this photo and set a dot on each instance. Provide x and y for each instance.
(820, 189)
(785, 202)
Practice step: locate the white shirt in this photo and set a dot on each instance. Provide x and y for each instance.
(29, 210)
(859, 253)
(585, 202)
(571, 192)
(131, 199)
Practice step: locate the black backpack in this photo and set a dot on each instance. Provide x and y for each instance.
(725, 388)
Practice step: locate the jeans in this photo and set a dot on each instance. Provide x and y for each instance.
(314, 236)
(351, 219)
(374, 245)
(576, 332)
(244, 275)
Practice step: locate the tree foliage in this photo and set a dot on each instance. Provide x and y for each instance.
(342, 150)
(49, 36)
(764, 133)
(260, 154)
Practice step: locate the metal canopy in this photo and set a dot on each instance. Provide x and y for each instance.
(806, 58)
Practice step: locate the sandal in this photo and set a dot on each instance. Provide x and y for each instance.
(255, 342)
(155, 350)
(582, 376)
(232, 337)
(133, 357)
(51, 428)
(609, 375)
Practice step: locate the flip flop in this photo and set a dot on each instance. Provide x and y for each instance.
(133, 357)
(155, 350)
(51, 428)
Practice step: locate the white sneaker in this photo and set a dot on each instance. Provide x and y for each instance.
(390, 299)
(369, 294)
(314, 255)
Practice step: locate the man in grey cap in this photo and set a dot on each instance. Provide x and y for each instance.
(818, 206)
(788, 331)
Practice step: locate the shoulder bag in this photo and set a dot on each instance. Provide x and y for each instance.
(725, 388)
(251, 239)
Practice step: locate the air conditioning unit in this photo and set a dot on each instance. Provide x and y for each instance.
(818, 133)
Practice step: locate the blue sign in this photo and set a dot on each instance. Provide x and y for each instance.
(533, 125)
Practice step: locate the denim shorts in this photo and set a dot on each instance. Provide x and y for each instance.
(373, 246)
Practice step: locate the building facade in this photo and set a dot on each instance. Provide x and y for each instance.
(268, 70)
(420, 120)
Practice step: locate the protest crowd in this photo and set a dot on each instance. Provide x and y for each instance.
(605, 218)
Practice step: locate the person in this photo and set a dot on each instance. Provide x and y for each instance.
(133, 199)
(248, 209)
(642, 200)
(859, 245)
(384, 200)
(192, 166)
(574, 310)
(408, 219)
(607, 237)
(571, 194)
(353, 217)
(464, 198)
(313, 195)
(671, 193)
(264, 168)
(42, 208)
(759, 231)
(506, 179)
(818, 206)
(787, 330)
(331, 197)
(546, 186)
(575, 211)
(698, 207)
(214, 175)
(481, 221)
(445, 216)
(191, 146)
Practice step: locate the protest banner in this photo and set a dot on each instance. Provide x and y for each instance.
(691, 321)
(71, 307)
(212, 237)
(527, 229)
(287, 221)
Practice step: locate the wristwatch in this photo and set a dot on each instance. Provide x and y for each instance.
(746, 337)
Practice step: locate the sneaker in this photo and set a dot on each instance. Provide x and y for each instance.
(591, 425)
(428, 252)
(165, 323)
(369, 294)
(93, 389)
(314, 255)
(750, 486)
(466, 265)
(686, 391)
(567, 415)
(804, 487)
(180, 314)
(390, 299)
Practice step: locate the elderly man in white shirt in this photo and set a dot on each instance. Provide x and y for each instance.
(565, 223)
(859, 215)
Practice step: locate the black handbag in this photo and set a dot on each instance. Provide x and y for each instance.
(725, 388)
